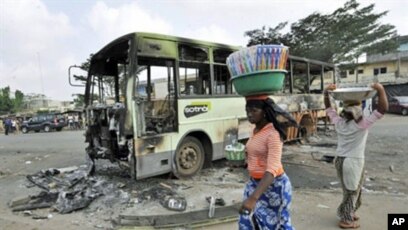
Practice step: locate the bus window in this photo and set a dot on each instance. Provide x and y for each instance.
(103, 87)
(316, 77)
(286, 81)
(190, 53)
(194, 71)
(300, 84)
(156, 84)
(222, 77)
(222, 80)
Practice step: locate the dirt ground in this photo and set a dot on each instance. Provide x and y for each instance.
(316, 189)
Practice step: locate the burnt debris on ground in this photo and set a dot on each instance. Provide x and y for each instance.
(67, 190)
(110, 194)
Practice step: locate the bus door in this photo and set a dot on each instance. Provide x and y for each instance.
(156, 115)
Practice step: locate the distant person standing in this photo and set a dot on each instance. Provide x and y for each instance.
(13, 126)
(17, 126)
(70, 121)
(76, 121)
(7, 126)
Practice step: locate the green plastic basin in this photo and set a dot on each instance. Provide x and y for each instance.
(261, 82)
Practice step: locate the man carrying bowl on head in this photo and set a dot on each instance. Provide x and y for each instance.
(352, 130)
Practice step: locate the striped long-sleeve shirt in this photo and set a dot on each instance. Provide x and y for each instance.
(264, 150)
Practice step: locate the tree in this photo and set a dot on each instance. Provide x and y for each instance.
(79, 99)
(272, 36)
(18, 101)
(6, 104)
(341, 36)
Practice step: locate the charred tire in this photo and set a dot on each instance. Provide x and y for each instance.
(24, 130)
(404, 112)
(46, 128)
(189, 158)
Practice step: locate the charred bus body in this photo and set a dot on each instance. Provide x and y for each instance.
(158, 104)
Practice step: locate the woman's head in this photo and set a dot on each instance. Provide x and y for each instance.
(255, 109)
(263, 109)
(354, 112)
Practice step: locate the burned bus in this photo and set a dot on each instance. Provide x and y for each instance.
(158, 104)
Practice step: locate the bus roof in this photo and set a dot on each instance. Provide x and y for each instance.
(161, 37)
(134, 35)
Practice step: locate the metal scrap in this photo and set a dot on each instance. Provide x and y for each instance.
(66, 190)
(174, 203)
(42, 200)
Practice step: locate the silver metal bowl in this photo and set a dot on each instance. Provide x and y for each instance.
(353, 94)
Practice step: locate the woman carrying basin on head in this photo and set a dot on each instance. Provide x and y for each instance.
(352, 130)
(268, 193)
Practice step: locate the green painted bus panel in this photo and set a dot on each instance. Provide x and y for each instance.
(157, 48)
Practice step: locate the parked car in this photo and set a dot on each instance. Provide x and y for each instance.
(399, 105)
(45, 122)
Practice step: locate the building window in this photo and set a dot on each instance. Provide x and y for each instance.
(376, 71)
(343, 74)
(383, 70)
(360, 71)
(351, 72)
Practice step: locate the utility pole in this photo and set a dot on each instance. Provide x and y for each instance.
(44, 101)
(357, 70)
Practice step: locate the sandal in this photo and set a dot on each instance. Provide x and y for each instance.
(355, 217)
(348, 225)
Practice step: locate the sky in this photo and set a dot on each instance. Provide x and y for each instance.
(40, 39)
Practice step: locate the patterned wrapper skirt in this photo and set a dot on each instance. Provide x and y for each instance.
(272, 209)
(351, 190)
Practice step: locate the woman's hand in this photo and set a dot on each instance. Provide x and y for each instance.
(377, 86)
(331, 87)
(327, 102)
(248, 205)
(382, 98)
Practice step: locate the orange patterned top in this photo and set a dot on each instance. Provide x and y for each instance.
(264, 152)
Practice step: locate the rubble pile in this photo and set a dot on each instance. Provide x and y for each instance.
(66, 190)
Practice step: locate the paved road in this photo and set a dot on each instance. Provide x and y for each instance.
(27, 152)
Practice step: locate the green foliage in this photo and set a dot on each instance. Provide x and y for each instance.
(337, 37)
(8, 105)
(79, 100)
(18, 101)
(272, 36)
(85, 67)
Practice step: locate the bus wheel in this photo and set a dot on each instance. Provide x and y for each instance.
(189, 158)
